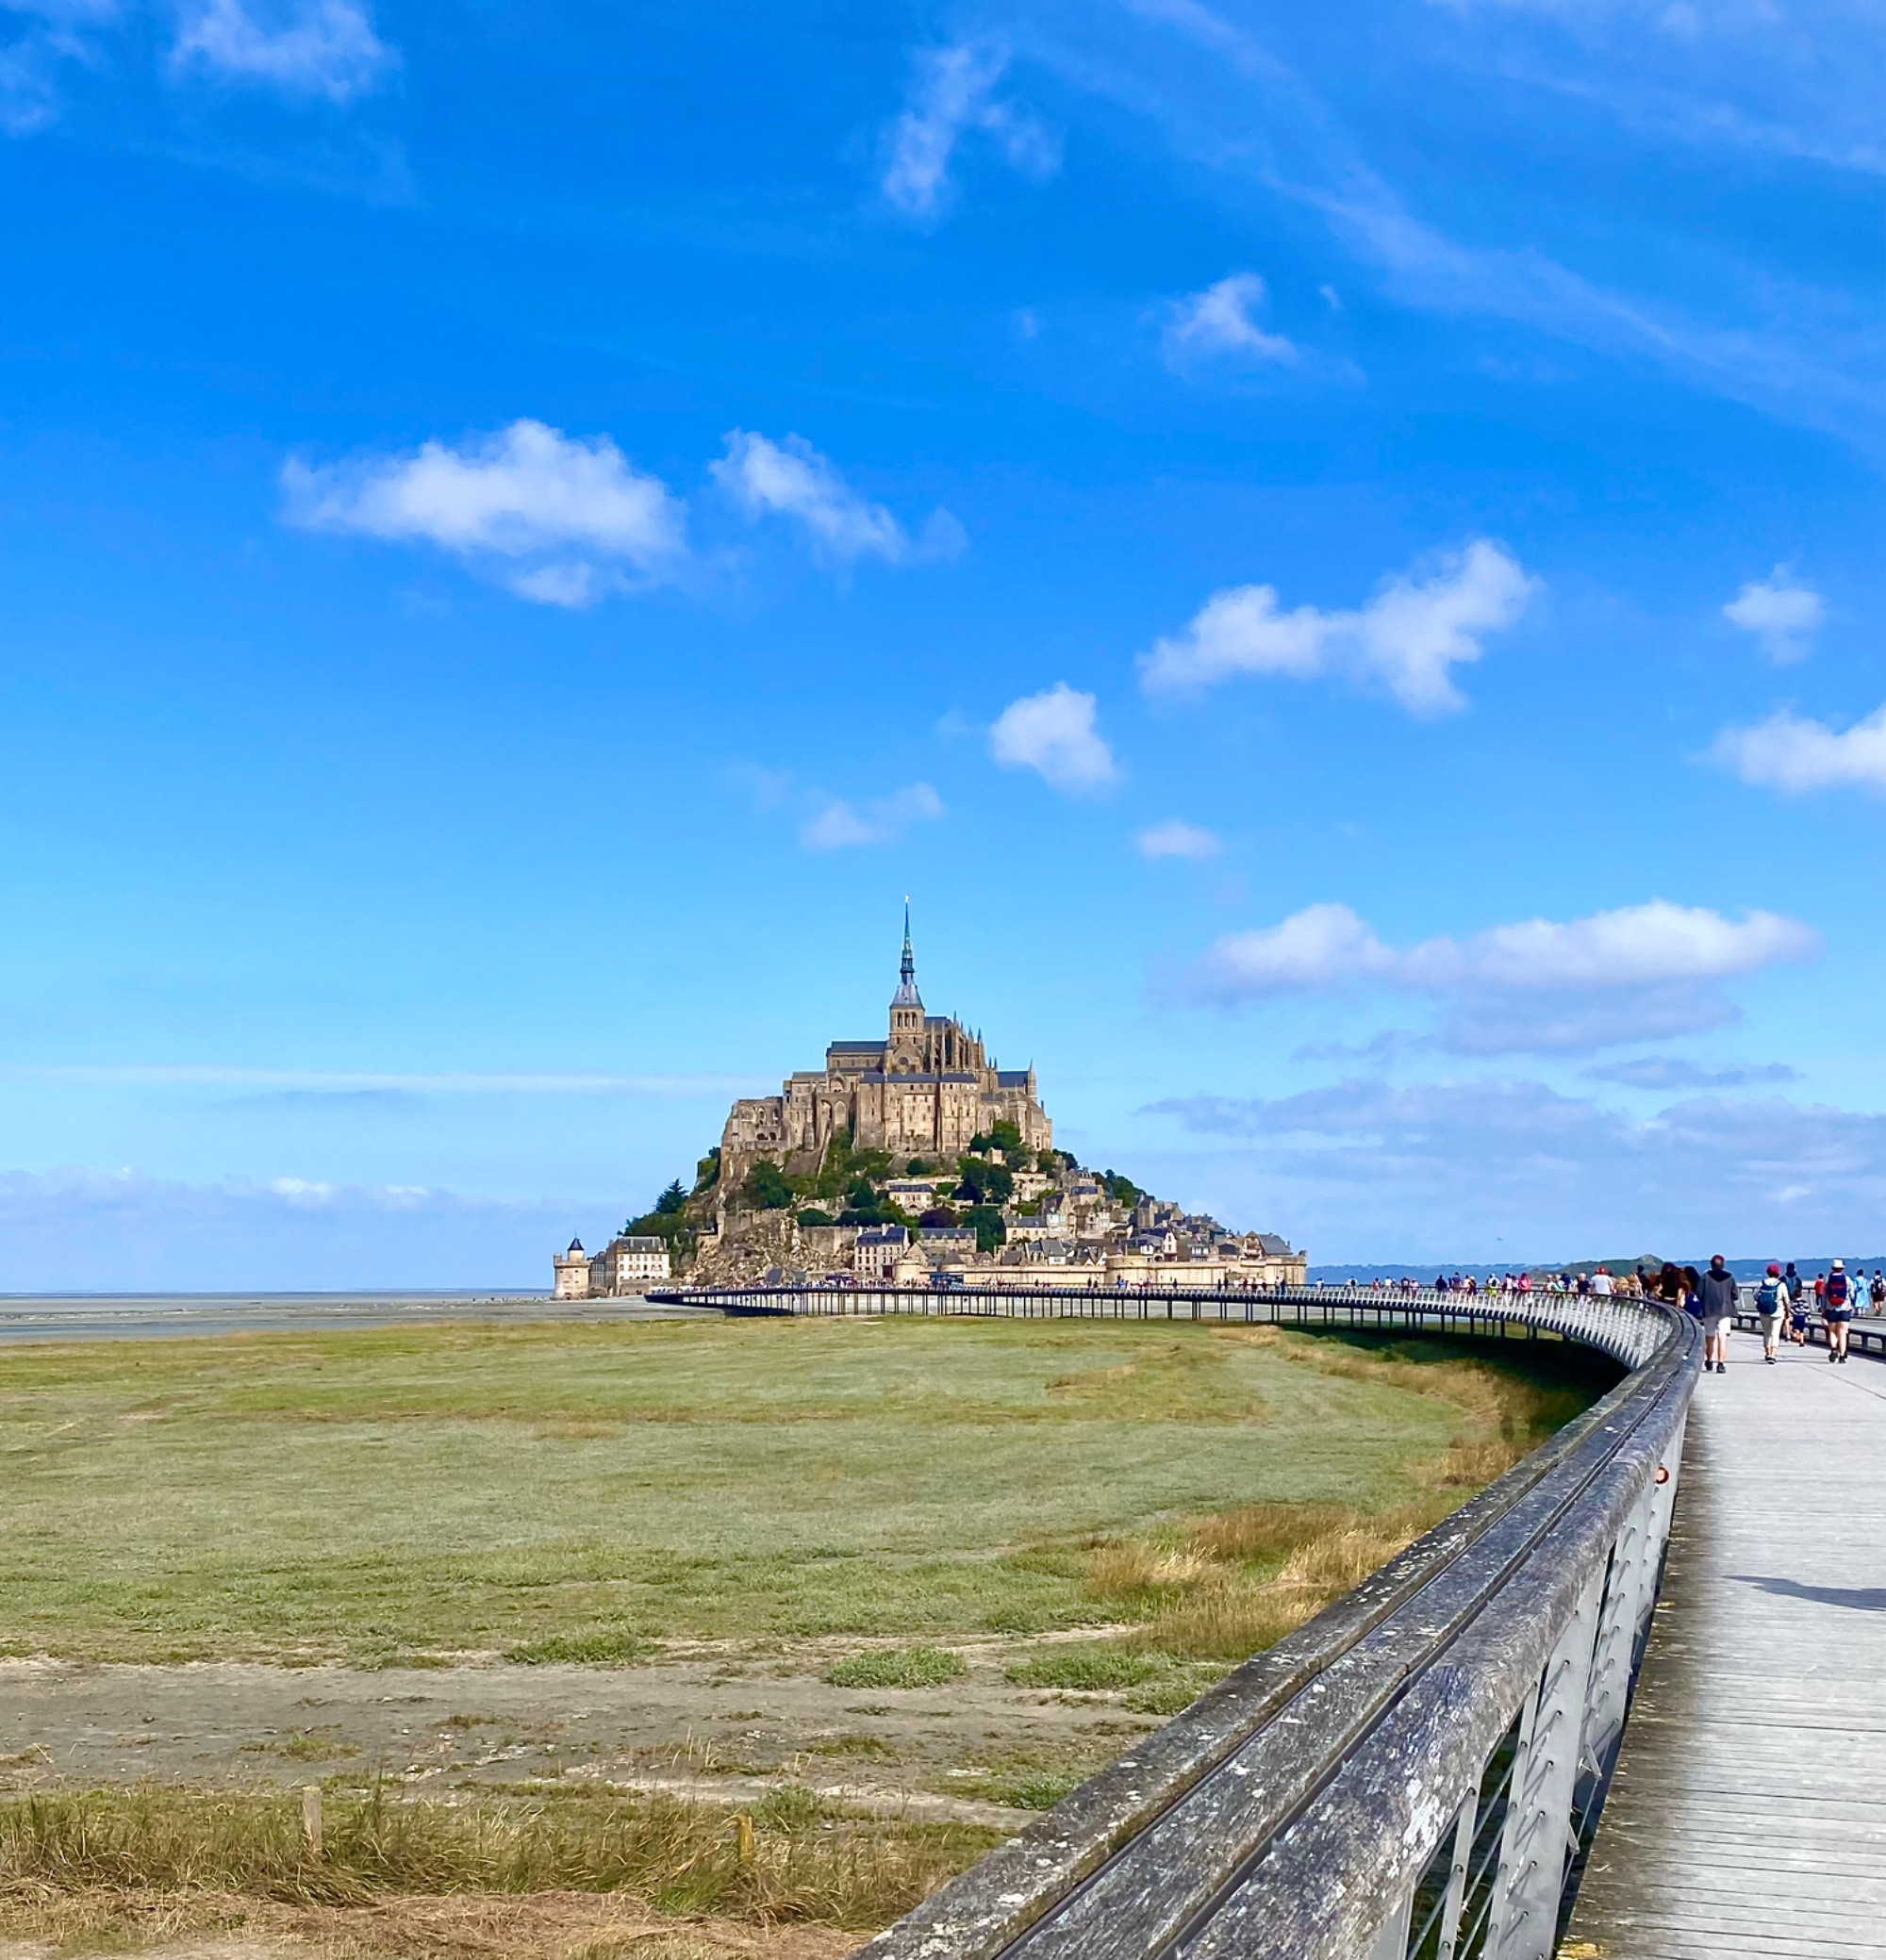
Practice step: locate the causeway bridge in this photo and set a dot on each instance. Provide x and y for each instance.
(1439, 1767)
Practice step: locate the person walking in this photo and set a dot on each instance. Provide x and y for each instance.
(1877, 1293)
(1717, 1289)
(1796, 1290)
(1771, 1302)
(1837, 1310)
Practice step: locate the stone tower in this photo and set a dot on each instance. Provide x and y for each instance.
(903, 1052)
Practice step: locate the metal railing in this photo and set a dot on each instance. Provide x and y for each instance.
(1418, 1772)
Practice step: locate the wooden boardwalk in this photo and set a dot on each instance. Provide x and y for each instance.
(1748, 1814)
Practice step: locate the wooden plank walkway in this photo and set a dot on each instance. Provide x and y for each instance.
(1748, 1814)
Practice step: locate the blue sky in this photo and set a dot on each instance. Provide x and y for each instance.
(1334, 551)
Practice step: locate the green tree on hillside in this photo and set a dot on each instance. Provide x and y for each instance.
(766, 1187)
(983, 1182)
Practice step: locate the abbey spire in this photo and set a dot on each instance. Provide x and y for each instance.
(904, 1051)
(906, 994)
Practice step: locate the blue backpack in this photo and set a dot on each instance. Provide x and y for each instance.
(1768, 1296)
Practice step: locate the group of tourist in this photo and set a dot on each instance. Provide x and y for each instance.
(1785, 1305)
(1786, 1302)
(1600, 1282)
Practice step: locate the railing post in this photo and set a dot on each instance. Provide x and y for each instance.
(1458, 1868)
(1538, 1840)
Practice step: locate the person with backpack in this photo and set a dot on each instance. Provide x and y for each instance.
(1771, 1301)
(1877, 1294)
(1837, 1310)
(1717, 1289)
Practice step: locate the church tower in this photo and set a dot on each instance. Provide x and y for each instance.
(903, 1052)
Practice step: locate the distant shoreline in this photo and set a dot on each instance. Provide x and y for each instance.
(35, 1317)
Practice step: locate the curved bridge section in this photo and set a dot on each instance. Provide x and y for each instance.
(1416, 1774)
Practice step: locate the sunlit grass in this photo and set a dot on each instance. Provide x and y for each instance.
(581, 1492)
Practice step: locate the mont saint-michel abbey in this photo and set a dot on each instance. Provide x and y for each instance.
(926, 1090)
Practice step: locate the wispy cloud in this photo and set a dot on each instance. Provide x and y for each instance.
(561, 519)
(1663, 1073)
(1781, 615)
(55, 32)
(1793, 753)
(315, 47)
(875, 821)
(1055, 734)
(321, 1082)
(1799, 81)
(126, 1230)
(1641, 972)
(1221, 322)
(1805, 354)
(952, 94)
(1407, 639)
(792, 480)
(1175, 839)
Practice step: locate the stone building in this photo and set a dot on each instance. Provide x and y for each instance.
(624, 1265)
(571, 1270)
(926, 1090)
(878, 1250)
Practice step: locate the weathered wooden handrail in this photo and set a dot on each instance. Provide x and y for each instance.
(1415, 1773)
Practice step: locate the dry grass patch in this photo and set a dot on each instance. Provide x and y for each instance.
(1225, 1586)
(788, 1859)
(208, 1925)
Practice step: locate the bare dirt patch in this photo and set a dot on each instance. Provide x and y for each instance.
(719, 1727)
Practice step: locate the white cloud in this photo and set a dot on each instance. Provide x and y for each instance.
(954, 93)
(315, 47)
(1220, 322)
(792, 480)
(1633, 946)
(1781, 615)
(1328, 945)
(569, 518)
(1175, 839)
(1408, 638)
(878, 820)
(1054, 732)
(1322, 947)
(1640, 972)
(1789, 752)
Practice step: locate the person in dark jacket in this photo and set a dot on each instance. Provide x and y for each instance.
(1718, 1291)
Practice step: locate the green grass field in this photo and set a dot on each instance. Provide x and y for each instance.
(578, 1490)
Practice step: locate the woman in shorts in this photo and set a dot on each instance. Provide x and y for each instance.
(1837, 1310)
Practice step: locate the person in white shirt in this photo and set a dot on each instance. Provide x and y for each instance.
(1602, 1282)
